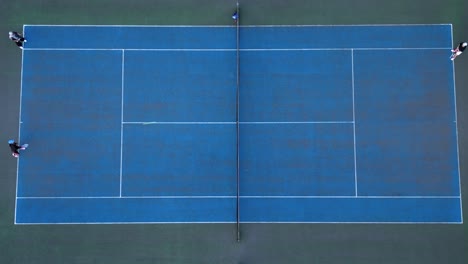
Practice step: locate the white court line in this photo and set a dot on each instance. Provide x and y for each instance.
(69, 197)
(222, 50)
(121, 120)
(354, 125)
(298, 122)
(230, 26)
(349, 25)
(456, 130)
(348, 197)
(134, 197)
(178, 123)
(206, 49)
(233, 123)
(125, 223)
(19, 127)
(119, 49)
(71, 49)
(318, 49)
(127, 26)
(242, 222)
(242, 196)
(352, 223)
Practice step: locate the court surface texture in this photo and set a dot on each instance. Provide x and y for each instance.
(337, 124)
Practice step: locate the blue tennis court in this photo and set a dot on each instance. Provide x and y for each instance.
(337, 124)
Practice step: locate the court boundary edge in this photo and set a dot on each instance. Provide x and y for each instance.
(242, 222)
(230, 26)
(233, 50)
(19, 129)
(244, 197)
(456, 130)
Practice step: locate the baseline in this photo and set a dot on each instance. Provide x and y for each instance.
(243, 196)
(245, 49)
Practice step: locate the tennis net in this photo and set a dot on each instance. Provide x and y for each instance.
(237, 123)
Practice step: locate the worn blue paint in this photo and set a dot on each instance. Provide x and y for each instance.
(357, 124)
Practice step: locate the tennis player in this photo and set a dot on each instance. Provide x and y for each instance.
(235, 16)
(17, 38)
(15, 147)
(459, 50)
